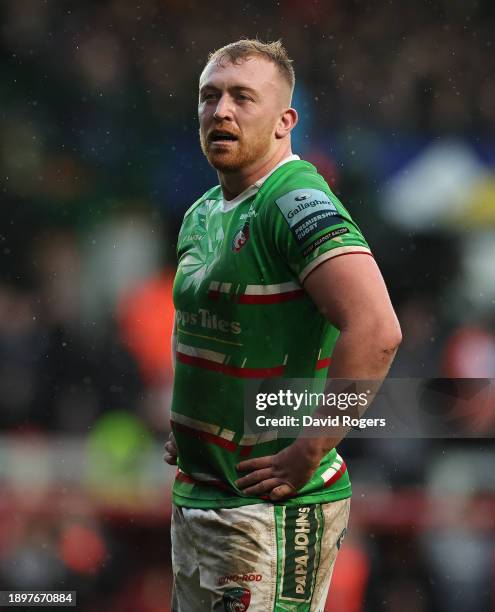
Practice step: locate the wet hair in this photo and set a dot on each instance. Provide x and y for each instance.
(274, 52)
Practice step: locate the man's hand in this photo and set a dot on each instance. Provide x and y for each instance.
(279, 476)
(170, 455)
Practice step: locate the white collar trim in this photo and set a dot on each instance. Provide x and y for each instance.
(228, 205)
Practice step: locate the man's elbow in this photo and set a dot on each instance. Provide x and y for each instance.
(388, 335)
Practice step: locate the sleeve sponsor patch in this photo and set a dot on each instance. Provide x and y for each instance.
(307, 211)
(322, 239)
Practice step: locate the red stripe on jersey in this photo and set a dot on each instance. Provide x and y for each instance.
(206, 364)
(184, 478)
(323, 363)
(271, 298)
(340, 472)
(206, 436)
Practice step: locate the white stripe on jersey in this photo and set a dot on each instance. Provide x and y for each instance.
(328, 255)
(271, 289)
(194, 351)
(216, 430)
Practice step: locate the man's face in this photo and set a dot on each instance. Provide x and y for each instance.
(239, 108)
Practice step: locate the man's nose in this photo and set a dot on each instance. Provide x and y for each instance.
(223, 109)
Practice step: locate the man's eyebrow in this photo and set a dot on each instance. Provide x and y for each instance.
(244, 88)
(233, 88)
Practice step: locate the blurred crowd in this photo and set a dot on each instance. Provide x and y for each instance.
(99, 159)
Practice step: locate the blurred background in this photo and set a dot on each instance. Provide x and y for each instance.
(99, 159)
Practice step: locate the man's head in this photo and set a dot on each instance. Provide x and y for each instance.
(245, 91)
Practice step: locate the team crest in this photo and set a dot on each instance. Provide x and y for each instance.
(240, 239)
(236, 599)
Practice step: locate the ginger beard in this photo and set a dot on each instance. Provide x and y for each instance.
(239, 154)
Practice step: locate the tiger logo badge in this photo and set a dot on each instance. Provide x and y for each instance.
(240, 239)
(237, 599)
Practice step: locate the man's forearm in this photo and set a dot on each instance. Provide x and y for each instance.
(359, 355)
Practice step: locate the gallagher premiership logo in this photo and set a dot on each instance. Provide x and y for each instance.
(240, 238)
(237, 599)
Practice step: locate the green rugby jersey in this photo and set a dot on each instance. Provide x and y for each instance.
(241, 313)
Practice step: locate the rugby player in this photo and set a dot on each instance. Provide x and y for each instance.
(274, 278)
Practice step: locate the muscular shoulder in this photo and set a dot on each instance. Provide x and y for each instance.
(212, 194)
(306, 222)
(295, 191)
(291, 176)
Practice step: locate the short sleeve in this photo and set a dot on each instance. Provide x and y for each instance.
(310, 226)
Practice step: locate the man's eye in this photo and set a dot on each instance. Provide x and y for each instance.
(206, 97)
(243, 97)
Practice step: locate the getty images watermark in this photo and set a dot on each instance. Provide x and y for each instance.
(398, 407)
(303, 403)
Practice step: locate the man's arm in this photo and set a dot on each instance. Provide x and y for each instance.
(173, 343)
(170, 455)
(350, 292)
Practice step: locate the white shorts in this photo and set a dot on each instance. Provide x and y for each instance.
(263, 557)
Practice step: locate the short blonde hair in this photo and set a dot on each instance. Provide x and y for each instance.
(272, 51)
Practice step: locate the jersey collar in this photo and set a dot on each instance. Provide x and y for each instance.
(227, 205)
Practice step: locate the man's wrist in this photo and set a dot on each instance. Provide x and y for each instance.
(312, 450)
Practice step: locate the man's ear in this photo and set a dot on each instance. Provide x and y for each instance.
(286, 123)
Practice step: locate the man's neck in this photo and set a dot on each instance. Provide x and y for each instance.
(235, 183)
